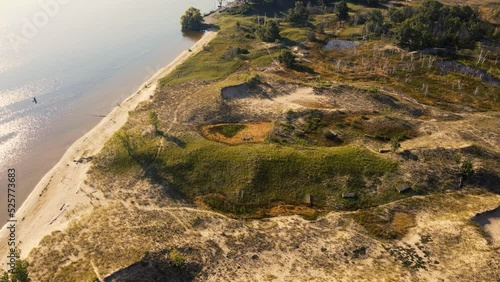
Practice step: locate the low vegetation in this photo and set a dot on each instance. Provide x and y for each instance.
(405, 96)
(231, 179)
(299, 15)
(385, 224)
(287, 58)
(438, 25)
(228, 130)
(249, 180)
(269, 32)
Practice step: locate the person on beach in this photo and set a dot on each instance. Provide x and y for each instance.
(34, 100)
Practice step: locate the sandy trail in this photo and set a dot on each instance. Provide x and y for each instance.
(61, 196)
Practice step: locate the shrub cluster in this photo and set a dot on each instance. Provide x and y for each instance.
(438, 25)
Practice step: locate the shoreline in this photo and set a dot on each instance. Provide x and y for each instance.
(62, 195)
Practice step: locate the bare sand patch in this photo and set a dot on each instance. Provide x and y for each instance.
(251, 133)
(303, 98)
(271, 105)
(490, 222)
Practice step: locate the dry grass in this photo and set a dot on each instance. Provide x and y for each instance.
(283, 210)
(423, 235)
(402, 222)
(118, 236)
(257, 132)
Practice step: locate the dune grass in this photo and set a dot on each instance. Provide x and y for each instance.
(351, 31)
(246, 179)
(295, 34)
(264, 61)
(210, 64)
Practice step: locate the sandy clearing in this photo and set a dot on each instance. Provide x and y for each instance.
(61, 195)
(302, 98)
(490, 222)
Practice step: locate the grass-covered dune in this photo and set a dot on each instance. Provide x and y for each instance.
(362, 119)
(249, 179)
(252, 179)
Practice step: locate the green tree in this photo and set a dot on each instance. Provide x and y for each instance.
(287, 58)
(191, 20)
(270, 32)
(399, 15)
(299, 15)
(20, 272)
(129, 145)
(395, 145)
(467, 169)
(375, 24)
(153, 120)
(438, 25)
(342, 11)
(414, 35)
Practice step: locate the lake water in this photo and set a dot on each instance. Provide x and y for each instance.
(79, 58)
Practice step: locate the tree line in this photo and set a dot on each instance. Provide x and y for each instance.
(434, 24)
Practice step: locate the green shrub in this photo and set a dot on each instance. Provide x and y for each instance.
(342, 11)
(400, 15)
(467, 168)
(177, 257)
(298, 16)
(270, 32)
(287, 58)
(438, 25)
(375, 24)
(153, 120)
(20, 273)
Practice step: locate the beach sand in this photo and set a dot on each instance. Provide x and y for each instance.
(62, 196)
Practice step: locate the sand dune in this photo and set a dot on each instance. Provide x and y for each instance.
(62, 196)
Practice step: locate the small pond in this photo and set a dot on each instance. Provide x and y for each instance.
(341, 44)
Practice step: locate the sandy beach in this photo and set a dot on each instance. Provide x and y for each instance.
(62, 196)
